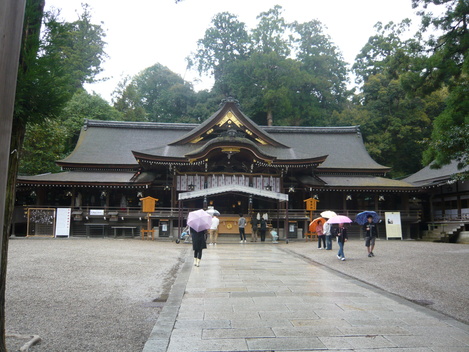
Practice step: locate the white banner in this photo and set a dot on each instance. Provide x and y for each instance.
(62, 225)
(393, 225)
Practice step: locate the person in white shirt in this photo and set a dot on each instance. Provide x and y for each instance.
(327, 232)
(214, 230)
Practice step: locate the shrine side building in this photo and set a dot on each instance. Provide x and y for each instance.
(228, 162)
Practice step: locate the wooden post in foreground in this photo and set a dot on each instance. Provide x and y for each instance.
(11, 28)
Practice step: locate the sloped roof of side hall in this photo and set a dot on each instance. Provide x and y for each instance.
(111, 144)
(428, 177)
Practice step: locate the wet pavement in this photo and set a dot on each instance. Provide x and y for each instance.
(264, 297)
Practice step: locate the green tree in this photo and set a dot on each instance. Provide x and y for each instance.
(400, 116)
(270, 35)
(155, 94)
(448, 67)
(266, 83)
(387, 53)
(47, 78)
(324, 63)
(44, 143)
(224, 42)
(53, 139)
(126, 100)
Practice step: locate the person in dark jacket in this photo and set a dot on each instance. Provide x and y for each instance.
(371, 232)
(341, 239)
(254, 223)
(199, 243)
(263, 229)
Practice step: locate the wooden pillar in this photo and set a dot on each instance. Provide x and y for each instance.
(174, 200)
(432, 209)
(11, 28)
(286, 222)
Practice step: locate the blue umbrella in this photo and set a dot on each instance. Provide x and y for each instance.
(362, 217)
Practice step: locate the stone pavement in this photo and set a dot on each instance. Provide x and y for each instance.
(262, 297)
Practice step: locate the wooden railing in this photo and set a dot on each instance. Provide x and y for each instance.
(169, 212)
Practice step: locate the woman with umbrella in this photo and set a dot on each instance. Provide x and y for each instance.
(198, 244)
(317, 226)
(341, 239)
(199, 221)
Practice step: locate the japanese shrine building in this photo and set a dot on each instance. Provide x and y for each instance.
(228, 162)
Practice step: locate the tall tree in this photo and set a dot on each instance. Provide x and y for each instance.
(47, 78)
(270, 35)
(448, 67)
(269, 84)
(389, 69)
(323, 61)
(224, 42)
(155, 94)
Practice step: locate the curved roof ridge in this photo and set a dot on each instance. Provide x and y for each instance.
(229, 106)
(315, 129)
(139, 125)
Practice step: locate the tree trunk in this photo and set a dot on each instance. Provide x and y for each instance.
(17, 137)
(270, 118)
(32, 14)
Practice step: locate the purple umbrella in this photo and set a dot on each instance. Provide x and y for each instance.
(339, 219)
(199, 220)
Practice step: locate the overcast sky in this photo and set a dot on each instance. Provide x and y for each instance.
(141, 33)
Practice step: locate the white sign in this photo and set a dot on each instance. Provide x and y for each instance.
(97, 212)
(393, 225)
(62, 224)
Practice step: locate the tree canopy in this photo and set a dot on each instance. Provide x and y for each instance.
(448, 68)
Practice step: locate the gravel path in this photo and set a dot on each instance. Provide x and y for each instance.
(432, 274)
(87, 294)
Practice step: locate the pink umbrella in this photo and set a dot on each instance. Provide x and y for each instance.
(199, 220)
(339, 219)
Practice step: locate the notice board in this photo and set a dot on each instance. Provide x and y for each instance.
(393, 225)
(62, 224)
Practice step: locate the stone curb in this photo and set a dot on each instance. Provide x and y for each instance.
(158, 340)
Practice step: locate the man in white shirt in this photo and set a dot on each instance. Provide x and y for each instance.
(214, 230)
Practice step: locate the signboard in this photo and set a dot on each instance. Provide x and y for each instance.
(393, 225)
(62, 224)
(97, 212)
(148, 204)
(311, 204)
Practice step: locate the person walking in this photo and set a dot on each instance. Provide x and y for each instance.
(263, 229)
(341, 239)
(199, 243)
(254, 223)
(214, 230)
(241, 226)
(328, 235)
(321, 237)
(371, 232)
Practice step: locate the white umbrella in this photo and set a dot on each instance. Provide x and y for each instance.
(328, 214)
(213, 211)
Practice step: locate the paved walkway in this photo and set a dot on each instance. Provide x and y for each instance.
(261, 297)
